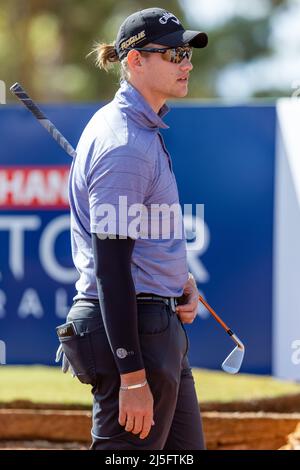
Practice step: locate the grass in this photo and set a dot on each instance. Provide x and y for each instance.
(222, 387)
(41, 384)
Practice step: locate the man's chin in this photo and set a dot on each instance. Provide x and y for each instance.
(177, 93)
(183, 90)
(183, 93)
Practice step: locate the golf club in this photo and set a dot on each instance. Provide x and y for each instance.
(21, 94)
(233, 361)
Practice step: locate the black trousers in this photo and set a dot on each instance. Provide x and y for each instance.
(164, 346)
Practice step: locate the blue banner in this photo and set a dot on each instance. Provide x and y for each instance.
(223, 158)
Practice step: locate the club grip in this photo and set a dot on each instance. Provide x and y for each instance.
(21, 94)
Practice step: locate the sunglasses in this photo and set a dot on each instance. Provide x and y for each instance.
(170, 54)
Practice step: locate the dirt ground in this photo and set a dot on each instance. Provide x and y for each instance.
(41, 445)
(285, 404)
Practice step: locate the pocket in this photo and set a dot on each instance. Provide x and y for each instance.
(78, 351)
(88, 351)
(153, 319)
(186, 338)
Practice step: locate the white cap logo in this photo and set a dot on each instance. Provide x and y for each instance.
(168, 16)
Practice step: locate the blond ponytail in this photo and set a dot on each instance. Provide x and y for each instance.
(106, 55)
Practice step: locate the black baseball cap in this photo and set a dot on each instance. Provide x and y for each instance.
(155, 25)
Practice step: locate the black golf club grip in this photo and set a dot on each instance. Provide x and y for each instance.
(20, 93)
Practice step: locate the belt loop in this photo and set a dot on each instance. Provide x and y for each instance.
(173, 304)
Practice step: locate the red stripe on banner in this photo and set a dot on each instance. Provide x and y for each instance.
(34, 187)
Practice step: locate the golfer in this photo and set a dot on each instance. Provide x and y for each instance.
(124, 333)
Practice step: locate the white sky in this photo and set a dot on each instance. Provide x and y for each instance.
(210, 13)
(280, 71)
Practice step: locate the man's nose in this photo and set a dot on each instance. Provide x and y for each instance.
(186, 65)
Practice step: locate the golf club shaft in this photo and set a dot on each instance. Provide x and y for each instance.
(21, 94)
(219, 320)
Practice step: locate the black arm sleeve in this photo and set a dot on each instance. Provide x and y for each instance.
(118, 300)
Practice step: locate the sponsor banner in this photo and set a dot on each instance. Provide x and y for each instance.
(223, 158)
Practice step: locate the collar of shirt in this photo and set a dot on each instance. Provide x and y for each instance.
(137, 108)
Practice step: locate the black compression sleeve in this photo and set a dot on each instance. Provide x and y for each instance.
(118, 300)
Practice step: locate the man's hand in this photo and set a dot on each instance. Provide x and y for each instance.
(136, 405)
(187, 311)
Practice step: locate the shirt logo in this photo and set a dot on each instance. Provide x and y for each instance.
(169, 16)
(133, 40)
(122, 353)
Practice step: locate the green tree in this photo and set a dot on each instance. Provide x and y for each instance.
(44, 44)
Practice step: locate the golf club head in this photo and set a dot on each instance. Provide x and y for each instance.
(233, 361)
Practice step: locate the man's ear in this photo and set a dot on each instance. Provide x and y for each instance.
(134, 59)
